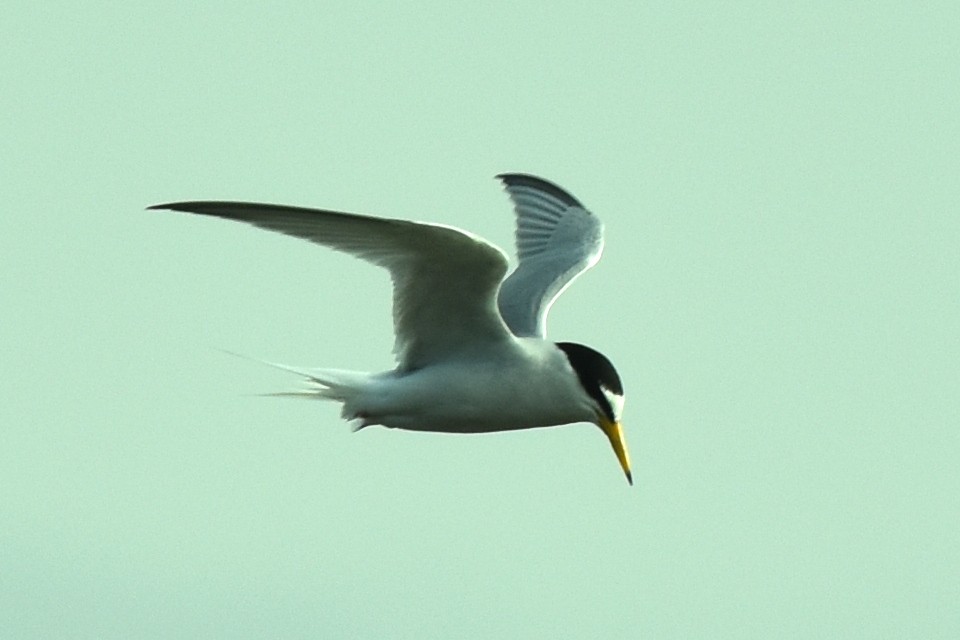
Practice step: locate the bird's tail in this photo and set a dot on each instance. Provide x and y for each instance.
(340, 385)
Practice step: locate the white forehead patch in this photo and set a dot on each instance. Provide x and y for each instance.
(615, 400)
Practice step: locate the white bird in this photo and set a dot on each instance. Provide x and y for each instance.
(471, 347)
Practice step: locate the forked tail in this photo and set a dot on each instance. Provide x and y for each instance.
(340, 385)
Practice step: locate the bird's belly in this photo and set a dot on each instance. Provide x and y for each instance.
(476, 400)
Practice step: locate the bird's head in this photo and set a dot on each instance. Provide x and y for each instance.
(601, 382)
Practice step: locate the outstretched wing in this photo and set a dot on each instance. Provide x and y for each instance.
(444, 279)
(557, 240)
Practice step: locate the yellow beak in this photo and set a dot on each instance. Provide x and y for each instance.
(614, 431)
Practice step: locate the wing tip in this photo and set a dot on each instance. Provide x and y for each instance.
(172, 206)
(535, 182)
(217, 208)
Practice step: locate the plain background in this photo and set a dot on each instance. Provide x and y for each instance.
(779, 292)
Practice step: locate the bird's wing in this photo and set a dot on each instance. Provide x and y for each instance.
(444, 279)
(557, 240)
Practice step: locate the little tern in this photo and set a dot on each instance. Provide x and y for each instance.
(471, 348)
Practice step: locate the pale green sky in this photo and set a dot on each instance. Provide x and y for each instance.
(780, 292)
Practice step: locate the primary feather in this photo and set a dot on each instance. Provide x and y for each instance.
(444, 279)
(557, 240)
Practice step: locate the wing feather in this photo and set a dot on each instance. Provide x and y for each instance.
(557, 239)
(444, 279)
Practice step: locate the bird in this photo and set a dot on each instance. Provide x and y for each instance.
(471, 346)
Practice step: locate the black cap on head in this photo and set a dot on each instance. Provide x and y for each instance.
(596, 373)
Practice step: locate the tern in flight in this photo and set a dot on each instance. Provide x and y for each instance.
(471, 347)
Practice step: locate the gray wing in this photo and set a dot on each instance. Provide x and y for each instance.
(444, 279)
(557, 240)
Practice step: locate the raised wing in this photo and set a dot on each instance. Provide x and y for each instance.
(444, 279)
(557, 240)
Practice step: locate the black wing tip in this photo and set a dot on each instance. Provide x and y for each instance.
(189, 207)
(536, 182)
(217, 208)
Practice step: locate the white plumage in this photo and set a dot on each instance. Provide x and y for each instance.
(471, 352)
